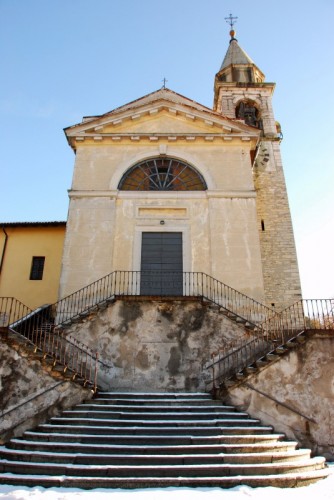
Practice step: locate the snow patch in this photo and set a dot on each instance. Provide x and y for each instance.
(323, 490)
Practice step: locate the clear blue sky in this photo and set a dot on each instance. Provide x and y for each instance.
(63, 59)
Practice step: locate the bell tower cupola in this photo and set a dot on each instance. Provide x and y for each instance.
(237, 66)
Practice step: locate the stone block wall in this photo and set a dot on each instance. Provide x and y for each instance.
(279, 259)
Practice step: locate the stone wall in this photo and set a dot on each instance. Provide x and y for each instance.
(156, 345)
(279, 259)
(303, 381)
(29, 392)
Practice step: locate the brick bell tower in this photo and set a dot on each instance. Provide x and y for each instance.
(241, 92)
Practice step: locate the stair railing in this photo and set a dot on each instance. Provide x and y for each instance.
(43, 327)
(37, 328)
(12, 310)
(186, 284)
(272, 335)
(231, 300)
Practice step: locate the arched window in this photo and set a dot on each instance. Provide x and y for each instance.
(162, 174)
(246, 110)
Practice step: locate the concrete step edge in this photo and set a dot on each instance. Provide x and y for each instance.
(87, 446)
(216, 429)
(203, 461)
(271, 438)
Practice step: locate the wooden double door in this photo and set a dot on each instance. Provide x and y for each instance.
(161, 264)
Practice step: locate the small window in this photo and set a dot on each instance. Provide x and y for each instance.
(37, 268)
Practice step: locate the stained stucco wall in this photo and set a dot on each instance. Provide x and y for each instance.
(156, 346)
(29, 393)
(219, 226)
(303, 380)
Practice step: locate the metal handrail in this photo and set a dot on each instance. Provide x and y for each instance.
(32, 398)
(186, 284)
(273, 328)
(274, 333)
(38, 329)
(281, 403)
(42, 326)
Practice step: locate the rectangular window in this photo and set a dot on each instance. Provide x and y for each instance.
(37, 268)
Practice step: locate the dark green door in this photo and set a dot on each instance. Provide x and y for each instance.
(161, 264)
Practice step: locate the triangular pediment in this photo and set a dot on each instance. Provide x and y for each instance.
(163, 112)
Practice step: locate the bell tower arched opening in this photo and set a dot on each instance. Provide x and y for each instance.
(248, 111)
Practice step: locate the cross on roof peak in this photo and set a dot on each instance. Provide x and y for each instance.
(231, 20)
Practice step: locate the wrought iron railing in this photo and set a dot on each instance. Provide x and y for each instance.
(42, 326)
(162, 284)
(38, 328)
(273, 336)
(12, 310)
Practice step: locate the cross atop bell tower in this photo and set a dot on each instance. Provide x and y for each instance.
(231, 20)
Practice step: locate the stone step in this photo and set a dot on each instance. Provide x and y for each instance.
(156, 440)
(158, 402)
(261, 362)
(199, 430)
(138, 415)
(155, 459)
(160, 471)
(145, 423)
(288, 480)
(155, 409)
(95, 448)
(167, 396)
(271, 356)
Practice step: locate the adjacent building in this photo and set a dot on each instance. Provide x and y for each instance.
(30, 262)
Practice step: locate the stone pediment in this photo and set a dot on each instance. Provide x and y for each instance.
(162, 113)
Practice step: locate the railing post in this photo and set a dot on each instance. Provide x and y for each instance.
(10, 312)
(213, 373)
(95, 371)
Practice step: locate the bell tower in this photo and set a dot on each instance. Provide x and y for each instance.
(241, 93)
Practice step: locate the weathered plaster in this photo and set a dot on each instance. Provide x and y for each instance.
(29, 392)
(302, 379)
(219, 226)
(152, 345)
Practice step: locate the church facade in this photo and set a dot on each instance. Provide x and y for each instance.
(168, 186)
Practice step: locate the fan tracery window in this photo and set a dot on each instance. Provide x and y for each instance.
(162, 174)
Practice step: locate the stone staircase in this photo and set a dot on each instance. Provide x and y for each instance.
(136, 440)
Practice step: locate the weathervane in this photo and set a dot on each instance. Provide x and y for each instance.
(164, 83)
